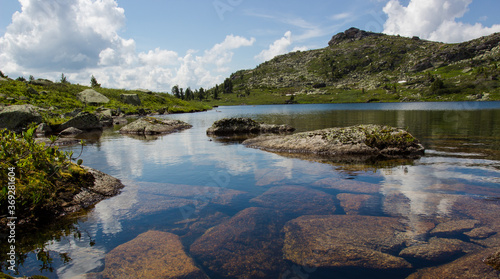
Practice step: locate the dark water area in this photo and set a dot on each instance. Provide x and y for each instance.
(197, 187)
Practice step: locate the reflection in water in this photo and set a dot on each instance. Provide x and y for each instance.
(186, 183)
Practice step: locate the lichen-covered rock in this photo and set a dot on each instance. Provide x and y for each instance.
(83, 121)
(243, 125)
(345, 241)
(372, 140)
(298, 200)
(152, 254)
(18, 117)
(151, 126)
(246, 246)
(92, 97)
(131, 99)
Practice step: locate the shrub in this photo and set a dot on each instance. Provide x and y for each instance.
(45, 176)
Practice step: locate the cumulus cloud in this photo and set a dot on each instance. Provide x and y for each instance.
(433, 20)
(278, 47)
(81, 38)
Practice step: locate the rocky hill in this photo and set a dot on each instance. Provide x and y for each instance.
(360, 66)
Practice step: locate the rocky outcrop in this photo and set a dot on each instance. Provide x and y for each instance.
(104, 186)
(18, 117)
(92, 97)
(296, 200)
(41, 82)
(151, 126)
(368, 140)
(345, 241)
(351, 34)
(83, 121)
(246, 246)
(152, 254)
(131, 99)
(242, 125)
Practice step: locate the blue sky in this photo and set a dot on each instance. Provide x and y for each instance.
(156, 44)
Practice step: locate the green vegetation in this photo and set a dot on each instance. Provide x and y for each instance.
(375, 68)
(45, 177)
(61, 97)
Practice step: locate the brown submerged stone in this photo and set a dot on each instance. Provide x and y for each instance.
(353, 204)
(438, 249)
(153, 254)
(295, 199)
(246, 246)
(345, 241)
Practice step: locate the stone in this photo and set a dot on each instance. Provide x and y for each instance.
(92, 97)
(360, 140)
(493, 260)
(32, 91)
(480, 233)
(348, 185)
(43, 129)
(437, 250)
(131, 99)
(351, 34)
(41, 82)
(71, 131)
(83, 121)
(243, 125)
(151, 126)
(152, 254)
(470, 266)
(347, 241)
(18, 117)
(353, 204)
(246, 246)
(147, 91)
(454, 227)
(297, 200)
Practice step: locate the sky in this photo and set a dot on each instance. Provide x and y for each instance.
(156, 44)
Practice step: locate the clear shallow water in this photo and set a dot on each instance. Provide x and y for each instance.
(462, 159)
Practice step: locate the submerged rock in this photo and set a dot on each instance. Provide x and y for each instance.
(295, 199)
(372, 140)
(152, 254)
(353, 204)
(493, 260)
(438, 250)
(454, 227)
(151, 126)
(246, 246)
(468, 266)
(345, 241)
(242, 125)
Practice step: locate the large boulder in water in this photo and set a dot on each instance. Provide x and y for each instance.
(18, 117)
(82, 121)
(152, 254)
(368, 140)
(243, 125)
(151, 126)
(92, 97)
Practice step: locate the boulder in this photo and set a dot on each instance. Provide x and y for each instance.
(147, 91)
(151, 126)
(360, 140)
(246, 246)
(351, 34)
(353, 204)
(92, 97)
(41, 82)
(19, 117)
(345, 241)
(152, 254)
(493, 260)
(131, 99)
(242, 125)
(104, 186)
(71, 131)
(454, 227)
(297, 200)
(43, 129)
(437, 250)
(468, 266)
(83, 121)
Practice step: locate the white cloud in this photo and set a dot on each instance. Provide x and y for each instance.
(278, 47)
(433, 20)
(81, 38)
(340, 16)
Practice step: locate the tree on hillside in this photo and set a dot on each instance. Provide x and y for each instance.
(228, 86)
(176, 92)
(189, 94)
(64, 79)
(201, 93)
(181, 92)
(93, 82)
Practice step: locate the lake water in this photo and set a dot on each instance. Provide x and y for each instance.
(182, 183)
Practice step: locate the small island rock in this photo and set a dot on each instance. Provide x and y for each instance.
(243, 125)
(151, 126)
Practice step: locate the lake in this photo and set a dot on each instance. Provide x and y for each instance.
(186, 183)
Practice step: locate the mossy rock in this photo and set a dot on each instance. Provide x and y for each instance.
(244, 125)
